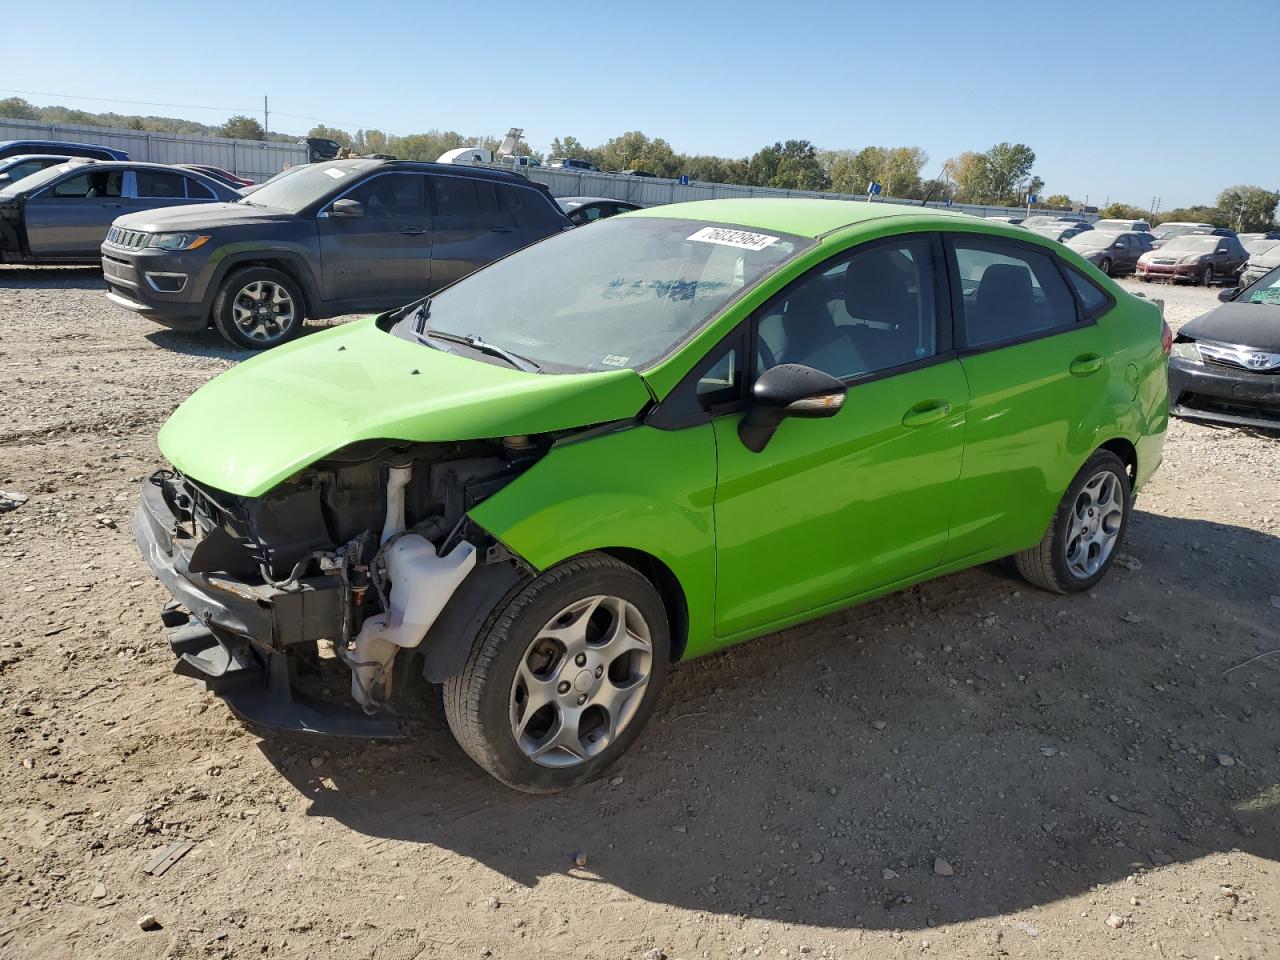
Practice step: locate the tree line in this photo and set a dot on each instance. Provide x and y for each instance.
(999, 176)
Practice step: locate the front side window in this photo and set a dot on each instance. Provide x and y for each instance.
(868, 312)
(90, 186)
(1009, 292)
(160, 184)
(621, 295)
(390, 196)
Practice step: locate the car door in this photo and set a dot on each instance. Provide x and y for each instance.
(473, 225)
(836, 508)
(69, 218)
(1126, 257)
(1037, 368)
(1234, 256)
(380, 255)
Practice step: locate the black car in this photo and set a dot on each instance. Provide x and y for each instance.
(91, 151)
(61, 214)
(1225, 366)
(584, 210)
(343, 236)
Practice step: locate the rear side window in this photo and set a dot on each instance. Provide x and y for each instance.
(197, 190)
(1010, 292)
(1093, 299)
(536, 214)
(160, 185)
(466, 199)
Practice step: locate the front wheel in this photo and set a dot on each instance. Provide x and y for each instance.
(1086, 530)
(563, 676)
(1206, 277)
(258, 307)
(1105, 266)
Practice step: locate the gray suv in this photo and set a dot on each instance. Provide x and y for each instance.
(335, 237)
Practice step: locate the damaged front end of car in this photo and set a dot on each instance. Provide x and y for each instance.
(367, 557)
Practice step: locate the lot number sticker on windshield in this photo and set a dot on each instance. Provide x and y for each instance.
(336, 173)
(734, 238)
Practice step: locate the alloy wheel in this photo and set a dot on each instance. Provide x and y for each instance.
(1096, 518)
(581, 681)
(1206, 278)
(263, 311)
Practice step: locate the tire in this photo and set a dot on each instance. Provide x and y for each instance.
(1206, 277)
(529, 639)
(258, 307)
(1105, 266)
(1049, 564)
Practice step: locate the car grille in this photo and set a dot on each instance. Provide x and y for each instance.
(1239, 358)
(129, 239)
(1163, 260)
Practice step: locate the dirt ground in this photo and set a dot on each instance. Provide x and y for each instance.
(971, 768)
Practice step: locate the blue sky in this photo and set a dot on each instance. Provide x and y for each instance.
(1080, 82)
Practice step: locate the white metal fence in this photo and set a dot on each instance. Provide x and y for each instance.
(255, 159)
(260, 160)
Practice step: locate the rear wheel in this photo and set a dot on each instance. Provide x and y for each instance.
(1086, 530)
(258, 307)
(563, 677)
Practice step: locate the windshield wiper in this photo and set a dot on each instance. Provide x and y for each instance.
(475, 343)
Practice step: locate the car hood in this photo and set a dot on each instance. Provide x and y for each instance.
(1267, 260)
(200, 216)
(1244, 324)
(273, 415)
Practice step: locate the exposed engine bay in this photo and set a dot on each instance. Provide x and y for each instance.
(363, 551)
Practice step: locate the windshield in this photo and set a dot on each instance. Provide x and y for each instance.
(1113, 225)
(298, 187)
(39, 179)
(1191, 243)
(1260, 245)
(620, 295)
(1091, 240)
(1032, 222)
(1266, 290)
(1165, 231)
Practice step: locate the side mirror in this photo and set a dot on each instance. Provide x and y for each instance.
(788, 390)
(1228, 294)
(346, 208)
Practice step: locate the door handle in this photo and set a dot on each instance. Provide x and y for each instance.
(412, 231)
(926, 412)
(1085, 364)
(112, 205)
(503, 229)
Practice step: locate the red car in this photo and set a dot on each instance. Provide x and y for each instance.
(226, 176)
(1196, 258)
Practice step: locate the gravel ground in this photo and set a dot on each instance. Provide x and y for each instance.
(970, 768)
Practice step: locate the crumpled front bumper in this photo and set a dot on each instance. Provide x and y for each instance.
(1221, 394)
(234, 637)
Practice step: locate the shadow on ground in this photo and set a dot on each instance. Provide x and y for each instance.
(1039, 744)
(60, 278)
(210, 343)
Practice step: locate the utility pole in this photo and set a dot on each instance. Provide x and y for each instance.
(266, 116)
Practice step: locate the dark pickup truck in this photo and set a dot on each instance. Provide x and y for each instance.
(336, 237)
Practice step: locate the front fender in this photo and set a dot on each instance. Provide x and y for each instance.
(637, 488)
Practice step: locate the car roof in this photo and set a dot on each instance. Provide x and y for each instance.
(801, 217)
(362, 164)
(55, 144)
(590, 200)
(21, 157)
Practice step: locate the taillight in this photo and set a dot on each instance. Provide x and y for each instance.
(1166, 338)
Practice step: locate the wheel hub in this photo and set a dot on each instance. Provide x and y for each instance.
(581, 681)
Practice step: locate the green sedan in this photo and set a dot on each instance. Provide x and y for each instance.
(631, 445)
